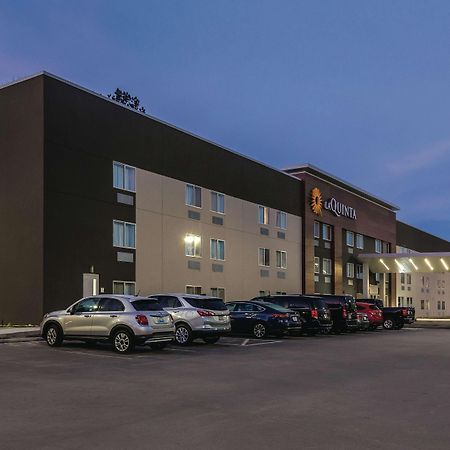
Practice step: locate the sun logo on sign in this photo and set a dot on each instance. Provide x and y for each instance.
(316, 201)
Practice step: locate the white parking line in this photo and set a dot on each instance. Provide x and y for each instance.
(245, 342)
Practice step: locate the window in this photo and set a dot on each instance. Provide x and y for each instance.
(124, 177)
(400, 301)
(350, 238)
(124, 234)
(326, 266)
(193, 245)
(193, 196)
(264, 257)
(326, 232)
(386, 247)
(443, 304)
(378, 246)
(110, 304)
(168, 301)
(439, 304)
(281, 259)
(422, 304)
(263, 215)
(359, 271)
(408, 278)
(281, 220)
(316, 264)
(218, 292)
(377, 277)
(149, 304)
(193, 290)
(124, 287)
(217, 249)
(360, 241)
(217, 202)
(402, 278)
(207, 303)
(316, 229)
(350, 270)
(86, 305)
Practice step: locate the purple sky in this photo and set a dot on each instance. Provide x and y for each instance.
(359, 88)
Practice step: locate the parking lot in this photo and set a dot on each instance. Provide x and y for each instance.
(373, 390)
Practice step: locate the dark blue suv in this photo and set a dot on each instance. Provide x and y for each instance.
(261, 319)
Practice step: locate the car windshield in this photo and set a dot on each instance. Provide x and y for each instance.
(146, 305)
(216, 304)
(374, 307)
(318, 303)
(276, 307)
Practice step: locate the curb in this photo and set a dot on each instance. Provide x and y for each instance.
(13, 340)
(438, 325)
(21, 334)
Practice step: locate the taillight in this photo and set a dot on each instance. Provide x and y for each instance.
(404, 312)
(141, 319)
(280, 316)
(344, 312)
(314, 314)
(203, 313)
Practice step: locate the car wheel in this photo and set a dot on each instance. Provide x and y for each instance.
(158, 345)
(123, 341)
(211, 339)
(259, 330)
(388, 324)
(54, 335)
(183, 335)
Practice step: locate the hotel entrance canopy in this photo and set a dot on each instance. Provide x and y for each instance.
(406, 262)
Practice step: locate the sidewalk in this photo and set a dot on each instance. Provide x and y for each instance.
(8, 333)
(431, 323)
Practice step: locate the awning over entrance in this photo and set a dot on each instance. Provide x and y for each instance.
(407, 262)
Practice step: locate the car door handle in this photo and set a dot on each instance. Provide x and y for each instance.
(87, 315)
(113, 315)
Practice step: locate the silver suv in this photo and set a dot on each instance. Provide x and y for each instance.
(124, 320)
(196, 316)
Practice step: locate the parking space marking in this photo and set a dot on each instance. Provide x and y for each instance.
(245, 342)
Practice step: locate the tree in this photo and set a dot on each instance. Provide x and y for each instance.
(125, 98)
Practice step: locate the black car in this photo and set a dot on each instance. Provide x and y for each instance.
(261, 319)
(394, 317)
(314, 313)
(343, 312)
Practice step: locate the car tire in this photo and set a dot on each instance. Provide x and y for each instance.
(123, 341)
(158, 345)
(54, 335)
(259, 330)
(183, 334)
(388, 324)
(211, 339)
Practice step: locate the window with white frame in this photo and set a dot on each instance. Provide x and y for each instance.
(193, 290)
(316, 229)
(124, 234)
(264, 257)
(193, 245)
(217, 249)
(359, 271)
(326, 266)
(281, 259)
(326, 232)
(124, 287)
(350, 238)
(217, 202)
(378, 246)
(193, 196)
(263, 215)
(360, 241)
(124, 177)
(218, 292)
(377, 277)
(316, 264)
(281, 220)
(350, 270)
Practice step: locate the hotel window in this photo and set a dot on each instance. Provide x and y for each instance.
(217, 249)
(326, 266)
(386, 247)
(263, 215)
(124, 234)
(422, 304)
(316, 229)
(217, 202)
(378, 246)
(350, 238)
(326, 232)
(408, 278)
(439, 304)
(281, 259)
(316, 264)
(264, 257)
(360, 241)
(124, 177)
(193, 196)
(377, 277)
(218, 292)
(193, 245)
(443, 304)
(124, 287)
(281, 220)
(350, 270)
(402, 278)
(193, 290)
(359, 271)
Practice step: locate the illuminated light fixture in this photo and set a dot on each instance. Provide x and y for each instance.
(412, 262)
(444, 264)
(384, 264)
(429, 264)
(189, 239)
(402, 269)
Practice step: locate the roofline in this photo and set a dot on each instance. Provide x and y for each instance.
(422, 231)
(77, 86)
(310, 168)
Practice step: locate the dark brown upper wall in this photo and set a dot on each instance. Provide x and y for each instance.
(84, 122)
(418, 240)
(21, 201)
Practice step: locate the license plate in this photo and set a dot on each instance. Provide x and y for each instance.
(295, 319)
(160, 320)
(221, 318)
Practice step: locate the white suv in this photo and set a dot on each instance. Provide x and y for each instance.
(196, 316)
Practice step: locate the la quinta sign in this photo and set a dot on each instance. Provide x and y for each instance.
(336, 207)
